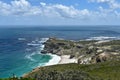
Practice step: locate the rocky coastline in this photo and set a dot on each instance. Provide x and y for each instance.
(83, 52)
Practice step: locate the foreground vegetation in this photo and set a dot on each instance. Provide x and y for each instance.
(101, 71)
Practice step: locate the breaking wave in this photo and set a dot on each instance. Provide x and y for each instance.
(54, 58)
(103, 38)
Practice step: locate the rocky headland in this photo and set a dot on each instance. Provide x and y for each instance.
(85, 52)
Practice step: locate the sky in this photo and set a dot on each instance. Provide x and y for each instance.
(59, 12)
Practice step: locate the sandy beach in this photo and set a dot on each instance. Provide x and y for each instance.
(65, 59)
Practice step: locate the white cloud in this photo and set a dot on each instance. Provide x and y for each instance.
(23, 7)
(4, 8)
(59, 11)
(111, 10)
(20, 4)
(113, 4)
(101, 1)
(42, 3)
(18, 7)
(64, 11)
(117, 13)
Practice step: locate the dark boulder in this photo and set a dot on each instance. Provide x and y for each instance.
(72, 56)
(44, 51)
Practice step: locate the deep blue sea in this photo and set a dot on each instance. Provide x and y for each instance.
(20, 47)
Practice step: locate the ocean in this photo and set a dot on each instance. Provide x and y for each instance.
(20, 47)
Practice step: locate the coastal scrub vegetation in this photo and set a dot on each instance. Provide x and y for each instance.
(109, 70)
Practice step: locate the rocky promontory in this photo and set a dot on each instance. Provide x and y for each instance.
(86, 52)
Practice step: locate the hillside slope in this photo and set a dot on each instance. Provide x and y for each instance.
(101, 71)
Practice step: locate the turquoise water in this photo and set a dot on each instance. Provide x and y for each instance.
(18, 56)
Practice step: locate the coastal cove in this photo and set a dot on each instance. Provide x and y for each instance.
(64, 59)
(20, 48)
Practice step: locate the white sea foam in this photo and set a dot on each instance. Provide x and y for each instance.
(42, 47)
(103, 38)
(55, 60)
(43, 40)
(37, 42)
(30, 56)
(21, 39)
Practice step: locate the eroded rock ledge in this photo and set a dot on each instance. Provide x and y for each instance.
(86, 52)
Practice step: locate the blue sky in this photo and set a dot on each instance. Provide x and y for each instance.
(59, 12)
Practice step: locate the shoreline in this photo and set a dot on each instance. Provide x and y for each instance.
(55, 59)
(63, 59)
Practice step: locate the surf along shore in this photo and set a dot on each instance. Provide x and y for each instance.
(80, 52)
(56, 59)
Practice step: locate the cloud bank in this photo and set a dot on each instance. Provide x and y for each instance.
(25, 8)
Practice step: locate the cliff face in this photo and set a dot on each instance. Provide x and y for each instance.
(60, 47)
(85, 51)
